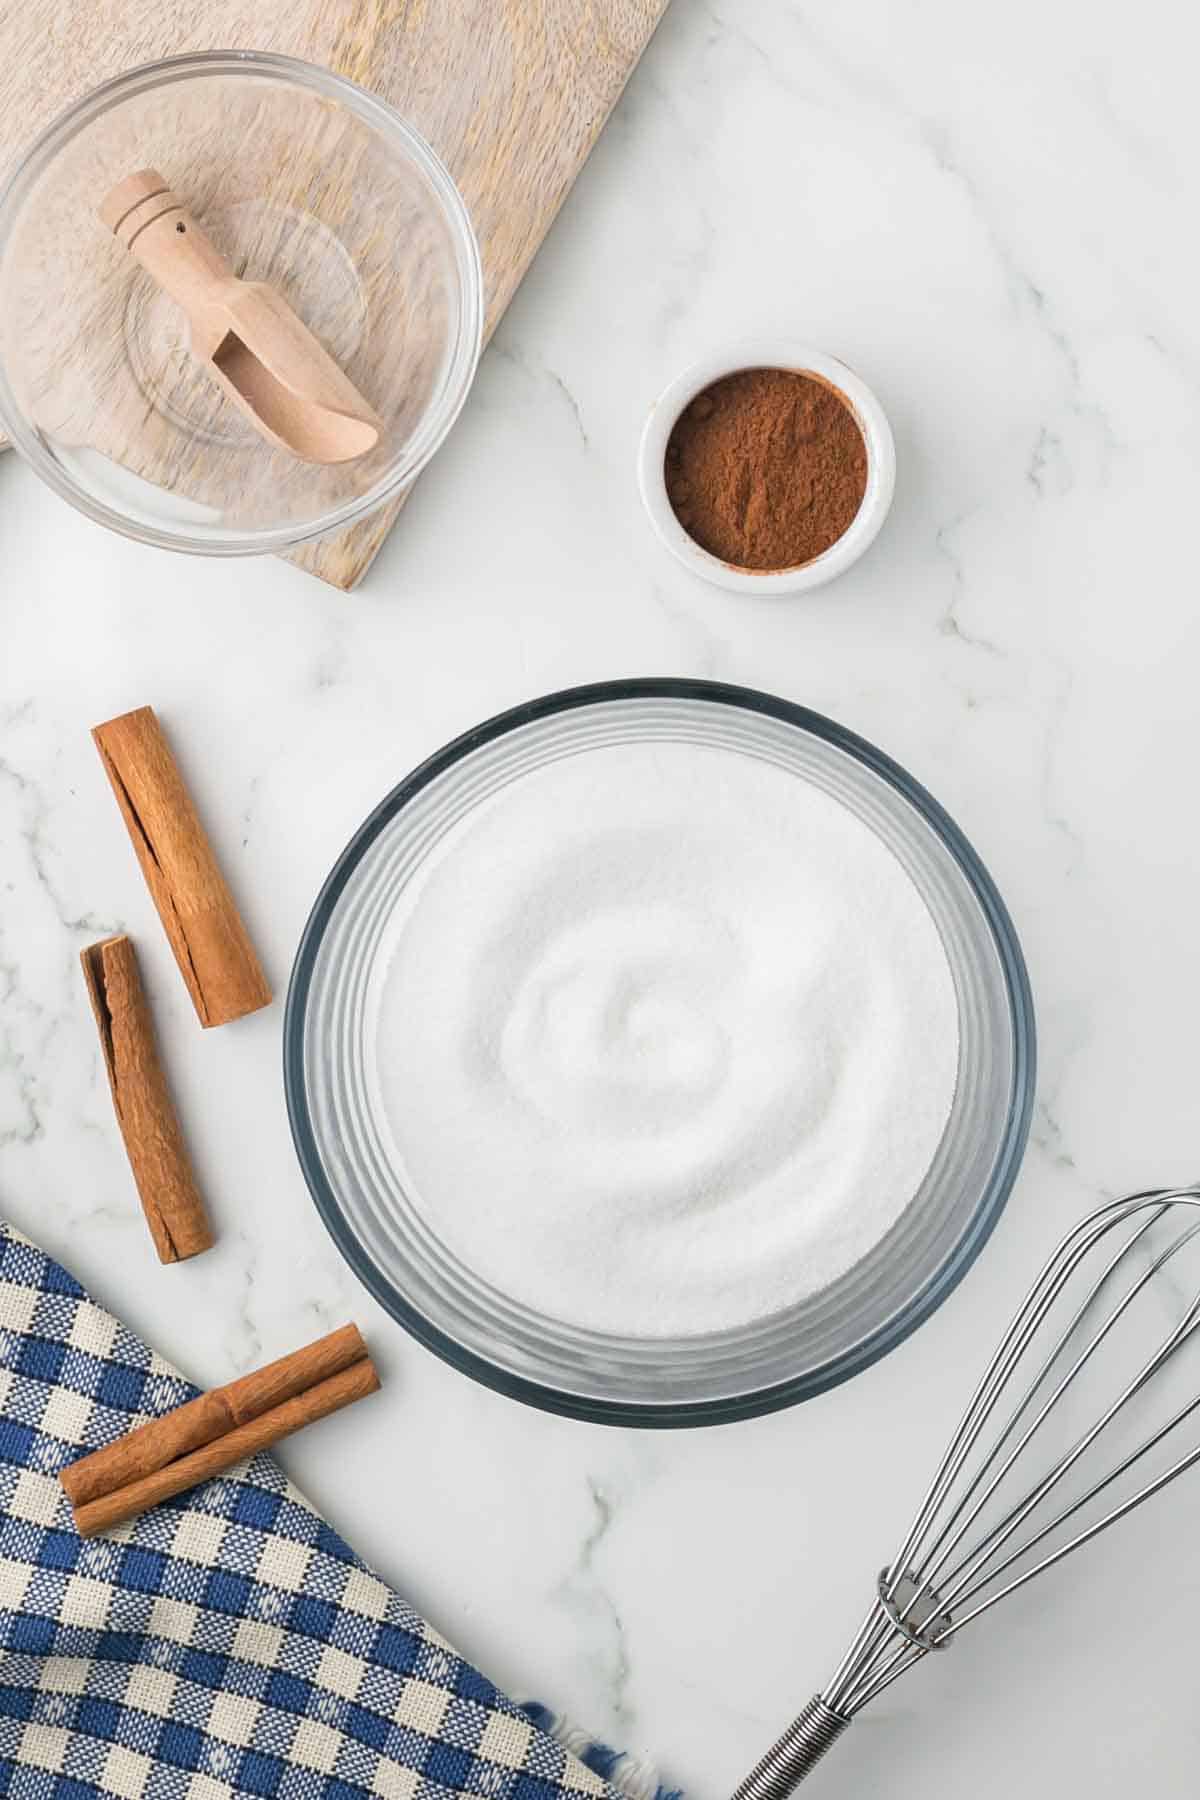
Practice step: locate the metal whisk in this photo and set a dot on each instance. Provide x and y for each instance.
(1074, 1424)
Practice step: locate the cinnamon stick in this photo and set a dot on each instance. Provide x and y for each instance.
(205, 930)
(210, 1416)
(222, 1453)
(141, 1100)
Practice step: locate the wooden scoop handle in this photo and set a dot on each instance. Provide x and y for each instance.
(154, 224)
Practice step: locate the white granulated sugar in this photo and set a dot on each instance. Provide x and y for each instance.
(668, 1039)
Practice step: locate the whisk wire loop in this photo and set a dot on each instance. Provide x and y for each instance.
(1015, 1518)
(940, 1549)
(1042, 1297)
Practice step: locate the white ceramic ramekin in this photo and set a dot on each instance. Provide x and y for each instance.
(881, 467)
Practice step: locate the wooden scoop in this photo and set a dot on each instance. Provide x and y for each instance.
(245, 334)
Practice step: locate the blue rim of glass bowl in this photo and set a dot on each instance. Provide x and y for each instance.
(780, 1394)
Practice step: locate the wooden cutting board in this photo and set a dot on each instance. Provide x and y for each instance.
(511, 93)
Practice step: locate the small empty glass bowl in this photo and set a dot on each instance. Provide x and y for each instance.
(302, 181)
(337, 1074)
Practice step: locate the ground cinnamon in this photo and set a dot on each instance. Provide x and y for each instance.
(766, 468)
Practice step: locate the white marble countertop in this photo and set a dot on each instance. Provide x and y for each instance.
(990, 212)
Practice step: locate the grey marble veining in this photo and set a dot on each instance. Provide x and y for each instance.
(990, 213)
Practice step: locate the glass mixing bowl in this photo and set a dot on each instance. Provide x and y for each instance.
(303, 181)
(354, 1166)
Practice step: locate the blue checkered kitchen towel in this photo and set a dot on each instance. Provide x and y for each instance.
(226, 1643)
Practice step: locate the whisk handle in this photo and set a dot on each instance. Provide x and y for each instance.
(796, 1754)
